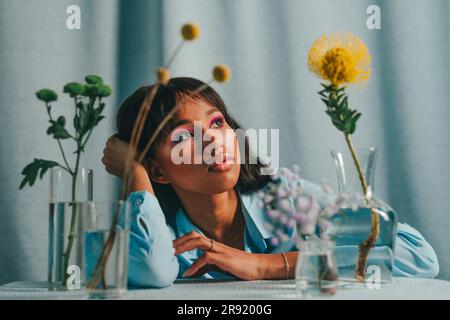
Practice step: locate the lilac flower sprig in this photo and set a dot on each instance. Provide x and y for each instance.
(287, 206)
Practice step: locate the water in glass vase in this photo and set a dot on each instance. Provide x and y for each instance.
(69, 211)
(316, 270)
(115, 276)
(365, 237)
(67, 220)
(106, 251)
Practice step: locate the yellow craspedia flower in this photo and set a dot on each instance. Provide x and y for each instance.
(163, 75)
(190, 31)
(340, 58)
(222, 73)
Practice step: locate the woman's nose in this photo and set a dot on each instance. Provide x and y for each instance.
(214, 140)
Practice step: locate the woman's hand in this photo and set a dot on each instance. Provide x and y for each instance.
(114, 159)
(244, 265)
(115, 155)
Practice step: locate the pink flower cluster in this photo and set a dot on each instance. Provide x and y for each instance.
(288, 206)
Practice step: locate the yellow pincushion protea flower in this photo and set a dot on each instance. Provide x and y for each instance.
(340, 58)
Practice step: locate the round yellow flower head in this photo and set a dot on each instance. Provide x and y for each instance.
(190, 31)
(163, 75)
(222, 73)
(340, 59)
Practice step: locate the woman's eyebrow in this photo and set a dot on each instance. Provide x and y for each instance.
(185, 121)
(181, 122)
(212, 110)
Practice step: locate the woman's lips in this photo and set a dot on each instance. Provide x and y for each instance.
(226, 165)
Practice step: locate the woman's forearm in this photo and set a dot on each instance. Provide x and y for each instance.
(274, 265)
(140, 180)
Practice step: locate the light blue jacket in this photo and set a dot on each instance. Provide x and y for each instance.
(152, 262)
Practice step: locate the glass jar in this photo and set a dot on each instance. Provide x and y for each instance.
(316, 270)
(370, 221)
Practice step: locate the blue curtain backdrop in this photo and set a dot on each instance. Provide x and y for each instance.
(405, 106)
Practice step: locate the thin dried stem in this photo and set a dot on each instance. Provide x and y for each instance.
(100, 268)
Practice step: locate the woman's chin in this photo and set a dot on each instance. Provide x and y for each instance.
(222, 178)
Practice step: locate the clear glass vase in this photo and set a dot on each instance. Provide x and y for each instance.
(358, 262)
(69, 214)
(106, 245)
(316, 270)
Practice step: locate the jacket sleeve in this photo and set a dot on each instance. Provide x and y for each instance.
(152, 262)
(414, 257)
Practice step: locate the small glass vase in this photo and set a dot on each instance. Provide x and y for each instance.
(69, 214)
(316, 270)
(351, 227)
(106, 245)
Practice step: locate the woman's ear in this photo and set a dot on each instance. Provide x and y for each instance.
(155, 172)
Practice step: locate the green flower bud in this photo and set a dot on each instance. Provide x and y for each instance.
(74, 89)
(93, 79)
(104, 90)
(91, 91)
(47, 95)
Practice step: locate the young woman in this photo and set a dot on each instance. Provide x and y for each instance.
(202, 220)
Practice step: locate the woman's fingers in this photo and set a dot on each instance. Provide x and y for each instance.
(208, 258)
(195, 243)
(186, 237)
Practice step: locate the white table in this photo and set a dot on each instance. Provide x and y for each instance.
(400, 288)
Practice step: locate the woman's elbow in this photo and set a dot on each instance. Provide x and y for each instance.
(432, 269)
(152, 273)
(420, 262)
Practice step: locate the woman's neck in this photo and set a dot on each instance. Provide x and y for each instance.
(218, 216)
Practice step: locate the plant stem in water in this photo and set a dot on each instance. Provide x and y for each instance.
(369, 243)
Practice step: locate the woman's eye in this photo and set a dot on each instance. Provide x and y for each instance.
(181, 136)
(217, 123)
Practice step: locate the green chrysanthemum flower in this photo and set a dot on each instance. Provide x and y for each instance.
(74, 89)
(93, 79)
(47, 95)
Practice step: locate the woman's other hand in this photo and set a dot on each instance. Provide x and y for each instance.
(220, 257)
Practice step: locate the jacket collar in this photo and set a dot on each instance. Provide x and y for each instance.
(254, 221)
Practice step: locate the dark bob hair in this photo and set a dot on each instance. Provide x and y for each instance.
(165, 100)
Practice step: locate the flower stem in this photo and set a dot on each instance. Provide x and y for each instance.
(59, 141)
(369, 243)
(73, 222)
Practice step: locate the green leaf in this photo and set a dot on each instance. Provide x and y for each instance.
(100, 118)
(326, 86)
(344, 104)
(93, 79)
(57, 130)
(325, 101)
(353, 123)
(347, 126)
(47, 95)
(74, 89)
(61, 121)
(356, 117)
(32, 170)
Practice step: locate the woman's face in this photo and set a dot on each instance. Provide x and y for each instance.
(201, 154)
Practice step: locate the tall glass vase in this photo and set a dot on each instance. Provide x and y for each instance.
(369, 221)
(69, 215)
